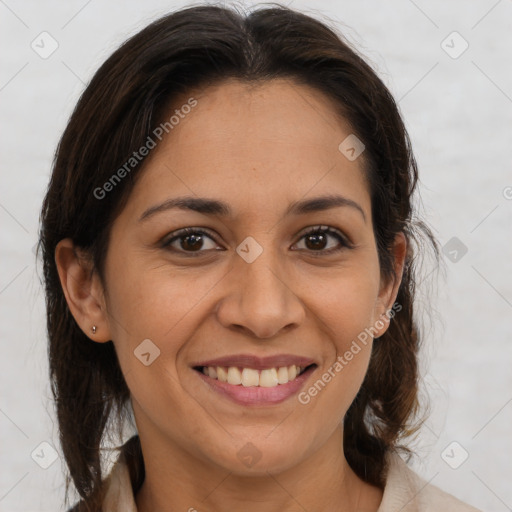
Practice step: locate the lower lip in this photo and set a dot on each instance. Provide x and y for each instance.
(256, 395)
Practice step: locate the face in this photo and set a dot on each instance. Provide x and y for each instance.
(257, 290)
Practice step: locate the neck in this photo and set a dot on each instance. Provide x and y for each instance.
(324, 481)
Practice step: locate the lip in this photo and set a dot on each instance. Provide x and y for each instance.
(256, 362)
(255, 395)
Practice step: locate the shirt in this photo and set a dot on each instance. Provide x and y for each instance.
(404, 491)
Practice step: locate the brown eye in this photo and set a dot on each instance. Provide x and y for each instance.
(319, 239)
(190, 240)
(316, 241)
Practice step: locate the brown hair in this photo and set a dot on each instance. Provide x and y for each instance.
(128, 95)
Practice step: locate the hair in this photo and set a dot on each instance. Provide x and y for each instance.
(201, 46)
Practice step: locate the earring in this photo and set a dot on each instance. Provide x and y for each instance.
(93, 329)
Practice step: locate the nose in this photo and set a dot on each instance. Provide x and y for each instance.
(260, 300)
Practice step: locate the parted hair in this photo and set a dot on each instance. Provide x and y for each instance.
(127, 97)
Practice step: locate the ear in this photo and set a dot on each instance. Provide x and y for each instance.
(83, 290)
(385, 307)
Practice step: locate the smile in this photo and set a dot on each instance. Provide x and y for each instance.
(247, 377)
(247, 385)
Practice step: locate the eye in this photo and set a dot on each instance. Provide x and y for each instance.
(189, 240)
(316, 239)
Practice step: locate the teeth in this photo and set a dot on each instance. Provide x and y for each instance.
(282, 375)
(268, 378)
(247, 377)
(234, 376)
(222, 374)
(250, 377)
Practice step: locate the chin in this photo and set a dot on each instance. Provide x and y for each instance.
(258, 456)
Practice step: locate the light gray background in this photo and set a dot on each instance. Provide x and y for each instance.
(459, 114)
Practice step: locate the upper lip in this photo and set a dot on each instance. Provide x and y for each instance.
(256, 362)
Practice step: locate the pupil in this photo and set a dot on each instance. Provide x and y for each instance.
(196, 242)
(318, 240)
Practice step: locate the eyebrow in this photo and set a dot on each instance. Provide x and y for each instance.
(216, 207)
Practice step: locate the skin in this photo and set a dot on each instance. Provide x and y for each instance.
(257, 148)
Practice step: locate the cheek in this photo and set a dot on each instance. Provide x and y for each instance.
(344, 303)
(157, 304)
(147, 302)
(153, 315)
(344, 311)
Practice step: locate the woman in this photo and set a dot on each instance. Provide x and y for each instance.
(228, 255)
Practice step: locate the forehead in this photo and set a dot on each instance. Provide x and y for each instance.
(239, 114)
(258, 144)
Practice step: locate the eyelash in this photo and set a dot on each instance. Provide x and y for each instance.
(182, 233)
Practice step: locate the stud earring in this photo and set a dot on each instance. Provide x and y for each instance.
(93, 329)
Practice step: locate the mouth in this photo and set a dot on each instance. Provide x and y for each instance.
(250, 377)
(247, 380)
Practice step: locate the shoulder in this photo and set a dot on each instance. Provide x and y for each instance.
(117, 491)
(79, 506)
(408, 492)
